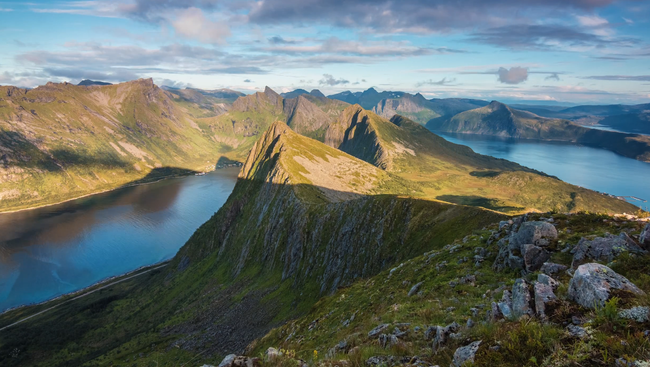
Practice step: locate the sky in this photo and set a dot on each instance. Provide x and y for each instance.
(543, 51)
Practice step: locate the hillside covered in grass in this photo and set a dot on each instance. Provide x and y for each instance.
(390, 319)
(454, 173)
(61, 141)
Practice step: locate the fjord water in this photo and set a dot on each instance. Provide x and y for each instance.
(593, 168)
(50, 251)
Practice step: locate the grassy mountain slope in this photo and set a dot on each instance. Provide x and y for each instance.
(498, 119)
(337, 326)
(454, 173)
(303, 220)
(61, 141)
(422, 110)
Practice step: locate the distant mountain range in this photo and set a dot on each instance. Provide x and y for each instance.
(88, 82)
(497, 119)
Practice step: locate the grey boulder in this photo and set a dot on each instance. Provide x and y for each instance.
(466, 354)
(543, 295)
(534, 257)
(537, 233)
(592, 284)
(603, 248)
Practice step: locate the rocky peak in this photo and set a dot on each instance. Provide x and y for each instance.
(274, 97)
(316, 93)
(497, 106)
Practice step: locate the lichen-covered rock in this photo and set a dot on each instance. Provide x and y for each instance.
(441, 334)
(534, 257)
(543, 295)
(603, 248)
(537, 233)
(521, 299)
(592, 284)
(638, 314)
(466, 354)
(240, 361)
(549, 268)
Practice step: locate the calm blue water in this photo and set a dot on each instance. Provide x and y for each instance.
(59, 249)
(596, 169)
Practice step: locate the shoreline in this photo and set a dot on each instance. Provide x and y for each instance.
(87, 290)
(96, 193)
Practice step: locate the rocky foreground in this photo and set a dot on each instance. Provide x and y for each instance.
(535, 290)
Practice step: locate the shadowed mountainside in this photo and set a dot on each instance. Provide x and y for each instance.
(303, 220)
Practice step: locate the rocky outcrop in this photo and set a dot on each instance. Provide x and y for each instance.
(603, 248)
(525, 247)
(593, 284)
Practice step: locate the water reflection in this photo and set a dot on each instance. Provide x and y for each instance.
(593, 168)
(58, 249)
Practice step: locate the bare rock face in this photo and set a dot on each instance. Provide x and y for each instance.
(521, 299)
(592, 284)
(466, 354)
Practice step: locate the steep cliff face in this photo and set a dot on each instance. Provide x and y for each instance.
(303, 220)
(59, 141)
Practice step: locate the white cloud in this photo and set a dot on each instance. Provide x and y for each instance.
(192, 23)
(591, 20)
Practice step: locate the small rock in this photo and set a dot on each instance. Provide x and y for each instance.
(387, 340)
(644, 238)
(376, 331)
(271, 353)
(415, 289)
(638, 314)
(552, 268)
(227, 362)
(505, 306)
(470, 323)
(576, 331)
(521, 299)
(466, 354)
(450, 309)
(591, 285)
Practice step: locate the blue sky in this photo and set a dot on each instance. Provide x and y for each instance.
(577, 51)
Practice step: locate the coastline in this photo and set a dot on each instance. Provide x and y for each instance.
(106, 282)
(96, 193)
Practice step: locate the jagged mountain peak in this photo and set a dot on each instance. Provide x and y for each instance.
(496, 106)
